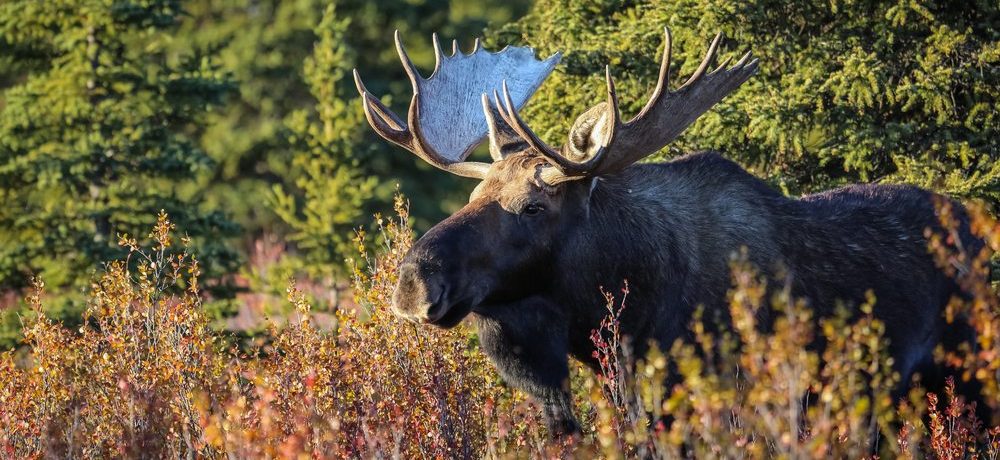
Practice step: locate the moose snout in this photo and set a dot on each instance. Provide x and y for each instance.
(419, 296)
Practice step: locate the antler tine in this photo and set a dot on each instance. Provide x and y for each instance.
(500, 110)
(743, 60)
(504, 140)
(411, 70)
(438, 53)
(709, 57)
(609, 124)
(721, 67)
(491, 113)
(386, 123)
(663, 78)
(615, 114)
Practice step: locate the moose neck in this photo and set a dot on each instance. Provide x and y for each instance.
(628, 234)
(654, 225)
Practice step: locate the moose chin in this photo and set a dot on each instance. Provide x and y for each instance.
(547, 227)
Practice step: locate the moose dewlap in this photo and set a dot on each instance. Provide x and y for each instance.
(547, 227)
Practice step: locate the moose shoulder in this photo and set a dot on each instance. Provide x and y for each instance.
(547, 227)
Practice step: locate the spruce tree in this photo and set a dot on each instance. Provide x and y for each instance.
(325, 202)
(848, 90)
(293, 155)
(93, 137)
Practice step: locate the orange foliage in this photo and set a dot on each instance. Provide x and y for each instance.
(146, 377)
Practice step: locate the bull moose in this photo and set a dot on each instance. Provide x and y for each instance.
(546, 227)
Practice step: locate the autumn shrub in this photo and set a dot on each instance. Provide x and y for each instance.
(124, 383)
(377, 386)
(146, 377)
(745, 393)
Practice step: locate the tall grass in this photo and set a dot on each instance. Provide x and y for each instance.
(145, 377)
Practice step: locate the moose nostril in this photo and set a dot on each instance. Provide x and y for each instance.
(418, 295)
(436, 302)
(441, 288)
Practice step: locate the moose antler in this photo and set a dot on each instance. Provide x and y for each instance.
(445, 121)
(609, 144)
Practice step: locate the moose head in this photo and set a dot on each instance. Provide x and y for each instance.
(501, 246)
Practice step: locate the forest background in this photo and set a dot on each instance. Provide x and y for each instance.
(253, 320)
(239, 118)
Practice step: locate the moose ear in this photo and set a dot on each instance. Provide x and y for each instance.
(590, 132)
(504, 141)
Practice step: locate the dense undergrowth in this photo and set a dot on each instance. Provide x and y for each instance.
(146, 377)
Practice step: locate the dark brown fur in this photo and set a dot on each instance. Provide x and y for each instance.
(531, 279)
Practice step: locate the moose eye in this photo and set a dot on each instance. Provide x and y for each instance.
(533, 209)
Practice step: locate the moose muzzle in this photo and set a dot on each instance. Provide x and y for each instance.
(419, 296)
